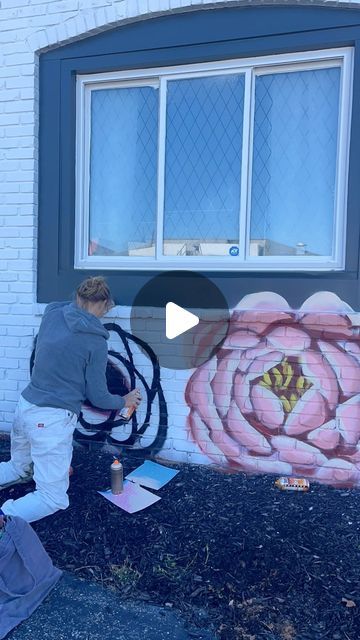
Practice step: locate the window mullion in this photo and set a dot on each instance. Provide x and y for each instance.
(159, 244)
(342, 164)
(83, 172)
(246, 164)
(80, 172)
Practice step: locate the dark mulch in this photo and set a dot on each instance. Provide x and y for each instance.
(230, 551)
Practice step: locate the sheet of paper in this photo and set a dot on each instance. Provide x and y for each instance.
(133, 498)
(152, 475)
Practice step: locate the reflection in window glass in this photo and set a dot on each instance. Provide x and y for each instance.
(123, 167)
(294, 163)
(203, 165)
(245, 173)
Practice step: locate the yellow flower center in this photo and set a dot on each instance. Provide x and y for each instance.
(287, 381)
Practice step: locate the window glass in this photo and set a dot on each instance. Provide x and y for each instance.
(239, 164)
(294, 163)
(123, 169)
(204, 123)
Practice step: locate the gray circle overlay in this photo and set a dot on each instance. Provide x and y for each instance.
(193, 292)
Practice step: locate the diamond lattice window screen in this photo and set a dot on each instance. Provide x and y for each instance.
(294, 163)
(203, 165)
(123, 169)
(236, 164)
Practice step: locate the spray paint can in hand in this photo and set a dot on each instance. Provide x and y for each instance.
(116, 474)
(126, 413)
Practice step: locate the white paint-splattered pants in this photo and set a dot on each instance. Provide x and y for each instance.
(42, 436)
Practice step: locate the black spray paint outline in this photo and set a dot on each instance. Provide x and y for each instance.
(152, 391)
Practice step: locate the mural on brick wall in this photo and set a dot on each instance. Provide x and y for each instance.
(147, 429)
(283, 393)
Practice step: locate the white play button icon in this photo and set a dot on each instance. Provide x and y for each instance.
(178, 320)
(181, 317)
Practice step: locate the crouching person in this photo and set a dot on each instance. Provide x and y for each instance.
(70, 366)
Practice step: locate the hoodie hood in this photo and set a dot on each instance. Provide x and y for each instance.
(80, 321)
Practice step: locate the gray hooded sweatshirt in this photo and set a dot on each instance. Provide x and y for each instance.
(70, 361)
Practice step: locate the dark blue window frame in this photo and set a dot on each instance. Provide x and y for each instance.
(195, 36)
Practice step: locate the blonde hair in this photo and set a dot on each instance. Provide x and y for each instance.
(94, 289)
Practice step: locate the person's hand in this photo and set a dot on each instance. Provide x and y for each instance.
(133, 398)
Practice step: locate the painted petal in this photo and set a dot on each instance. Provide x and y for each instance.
(285, 338)
(316, 369)
(213, 429)
(200, 398)
(257, 464)
(242, 461)
(235, 459)
(313, 455)
(297, 452)
(204, 374)
(250, 360)
(242, 394)
(355, 457)
(200, 436)
(223, 381)
(338, 472)
(353, 349)
(308, 413)
(249, 356)
(243, 433)
(257, 311)
(205, 336)
(327, 325)
(258, 322)
(267, 406)
(325, 437)
(346, 368)
(348, 420)
(274, 466)
(325, 301)
(265, 300)
(240, 339)
(261, 360)
(210, 418)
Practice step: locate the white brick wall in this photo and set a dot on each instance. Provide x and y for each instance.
(26, 27)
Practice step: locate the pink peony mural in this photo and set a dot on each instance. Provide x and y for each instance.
(282, 395)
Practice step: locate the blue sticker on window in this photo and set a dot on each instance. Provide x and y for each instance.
(234, 251)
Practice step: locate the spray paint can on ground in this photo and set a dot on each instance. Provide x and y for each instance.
(292, 484)
(116, 475)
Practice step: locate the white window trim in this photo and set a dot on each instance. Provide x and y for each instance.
(158, 77)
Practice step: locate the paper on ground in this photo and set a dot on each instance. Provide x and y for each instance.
(152, 475)
(133, 497)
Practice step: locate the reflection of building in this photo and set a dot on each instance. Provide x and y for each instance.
(268, 247)
(193, 247)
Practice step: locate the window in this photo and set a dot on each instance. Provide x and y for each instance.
(238, 164)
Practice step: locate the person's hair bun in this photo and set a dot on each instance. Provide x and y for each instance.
(94, 289)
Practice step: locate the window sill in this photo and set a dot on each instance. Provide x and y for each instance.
(208, 265)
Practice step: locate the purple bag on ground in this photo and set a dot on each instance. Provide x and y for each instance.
(27, 573)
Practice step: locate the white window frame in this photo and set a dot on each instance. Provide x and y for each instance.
(251, 67)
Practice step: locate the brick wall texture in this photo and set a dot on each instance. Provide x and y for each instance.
(260, 423)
